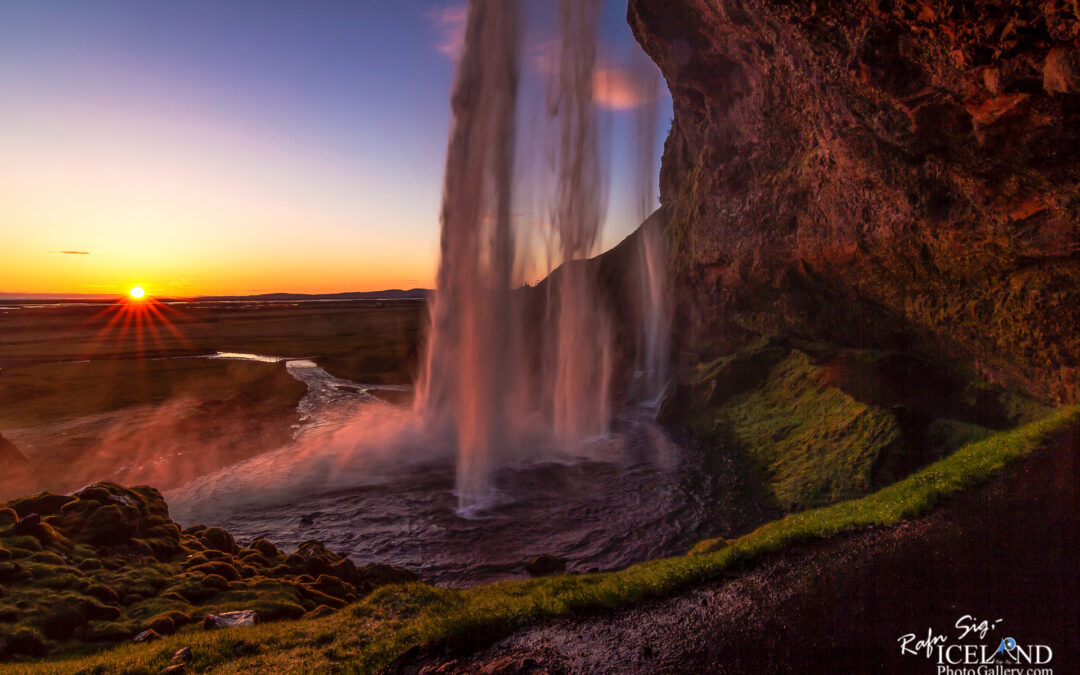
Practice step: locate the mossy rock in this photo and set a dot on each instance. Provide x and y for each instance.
(60, 579)
(218, 539)
(103, 593)
(95, 493)
(168, 622)
(105, 631)
(314, 597)
(43, 504)
(13, 573)
(220, 568)
(372, 576)
(33, 526)
(107, 525)
(266, 548)
(46, 557)
(294, 562)
(23, 642)
(78, 509)
(22, 545)
(331, 585)
(70, 612)
(253, 558)
(544, 565)
(8, 517)
(127, 568)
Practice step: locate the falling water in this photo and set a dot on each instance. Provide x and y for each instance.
(583, 354)
(468, 376)
(655, 303)
(479, 381)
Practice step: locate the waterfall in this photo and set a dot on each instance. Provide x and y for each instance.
(468, 374)
(479, 381)
(655, 293)
(581, 402)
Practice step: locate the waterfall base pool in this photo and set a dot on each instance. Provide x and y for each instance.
(638, 496)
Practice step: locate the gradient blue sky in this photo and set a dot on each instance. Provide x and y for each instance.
(240, 147)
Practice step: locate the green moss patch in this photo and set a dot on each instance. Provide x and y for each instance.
(817, 426)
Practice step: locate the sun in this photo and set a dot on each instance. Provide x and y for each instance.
(137, 292)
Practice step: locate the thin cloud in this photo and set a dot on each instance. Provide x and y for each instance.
(449, 22)
(616, 88)
(72, 252)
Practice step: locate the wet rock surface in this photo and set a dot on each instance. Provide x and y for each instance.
(890, 174)
(107, 565)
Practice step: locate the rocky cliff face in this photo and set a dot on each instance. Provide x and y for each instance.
(892, 173)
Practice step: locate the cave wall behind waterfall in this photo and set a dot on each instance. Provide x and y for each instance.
(885, 173)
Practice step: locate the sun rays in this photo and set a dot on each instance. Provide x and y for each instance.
(139, 325)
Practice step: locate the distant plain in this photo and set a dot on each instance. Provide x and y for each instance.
(84, 393)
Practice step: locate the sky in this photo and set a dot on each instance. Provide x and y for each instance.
(206, 148)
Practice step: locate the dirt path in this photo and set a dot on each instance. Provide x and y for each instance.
(1006, 551)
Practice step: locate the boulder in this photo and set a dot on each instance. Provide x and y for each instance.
(147, 636)
(245, 617)
(369, 577)
(265, 547)
(543, 565)
(218, 539)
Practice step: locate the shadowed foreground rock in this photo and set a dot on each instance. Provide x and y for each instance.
(107, 564)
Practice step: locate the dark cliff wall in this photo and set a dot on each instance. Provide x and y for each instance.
(885, 173)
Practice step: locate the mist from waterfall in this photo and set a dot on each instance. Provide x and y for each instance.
(495, 375)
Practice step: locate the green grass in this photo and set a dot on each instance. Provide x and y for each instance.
(366, 635)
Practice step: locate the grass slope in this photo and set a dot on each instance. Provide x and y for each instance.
(365, 636)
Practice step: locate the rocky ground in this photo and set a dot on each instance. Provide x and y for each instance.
(1005, 551)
